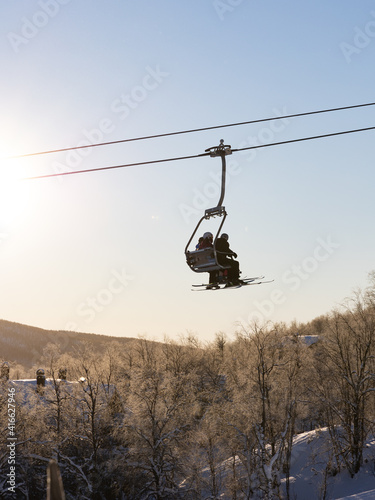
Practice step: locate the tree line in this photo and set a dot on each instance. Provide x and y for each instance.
(186, 420)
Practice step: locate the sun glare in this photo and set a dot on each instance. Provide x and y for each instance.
(13, 191)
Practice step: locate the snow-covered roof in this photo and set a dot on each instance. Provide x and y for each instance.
(27, 389)
(309, 339)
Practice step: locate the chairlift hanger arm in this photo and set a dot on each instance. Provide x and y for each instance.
(222, 150)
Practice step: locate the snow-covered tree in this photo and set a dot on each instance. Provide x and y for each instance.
(157, 417)
(346, 374)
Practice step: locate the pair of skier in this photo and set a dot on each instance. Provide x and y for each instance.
(224, 257)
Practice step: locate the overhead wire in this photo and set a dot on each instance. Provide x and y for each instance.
(290, 141)
(202, 129)
(322, 136)
(138, 164)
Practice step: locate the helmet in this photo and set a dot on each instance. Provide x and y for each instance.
(225, 236)
(208, 235)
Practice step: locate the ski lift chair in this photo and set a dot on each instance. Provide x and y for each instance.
(205, 260)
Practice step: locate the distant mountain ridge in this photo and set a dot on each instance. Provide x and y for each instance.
(24, 344)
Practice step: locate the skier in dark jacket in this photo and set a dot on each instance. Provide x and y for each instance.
(206, 241)
(224, 257)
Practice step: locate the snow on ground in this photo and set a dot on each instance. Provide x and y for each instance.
(367, 495)
(308, 478)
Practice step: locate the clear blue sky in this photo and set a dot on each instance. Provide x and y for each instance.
(104, 252)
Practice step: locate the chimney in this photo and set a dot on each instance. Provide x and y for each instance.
(62, 373)
(40, 378)
(4, 372)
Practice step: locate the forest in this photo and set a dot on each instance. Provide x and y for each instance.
(147, 420)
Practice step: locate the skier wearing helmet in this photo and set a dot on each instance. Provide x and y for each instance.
(225, 258)
(207, 241)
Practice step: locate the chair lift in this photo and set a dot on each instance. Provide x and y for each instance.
(205, 260)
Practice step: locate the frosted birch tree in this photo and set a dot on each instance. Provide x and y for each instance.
(349, 383)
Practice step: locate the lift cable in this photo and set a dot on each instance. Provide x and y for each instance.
(322, 136)
(290, 141)
(284, 117)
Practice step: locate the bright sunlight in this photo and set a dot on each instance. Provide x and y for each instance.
(13, 191)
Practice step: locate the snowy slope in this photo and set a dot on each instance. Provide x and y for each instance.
(367, 495)
(308, 479)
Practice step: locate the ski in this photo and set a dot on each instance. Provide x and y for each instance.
(251, 283)
(244, 280)
(220, 286)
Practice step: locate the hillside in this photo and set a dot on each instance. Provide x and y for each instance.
(24, 344)
(269, 415)
(312, 477)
